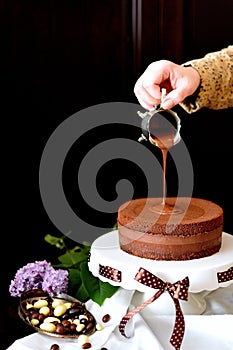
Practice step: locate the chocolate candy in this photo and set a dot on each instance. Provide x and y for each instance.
(83, 340)
(44, 310)
(59, 310)
(75, 311)
(106, 318)
(40, 303)
(48, 327)
(99, 327)
(60, 329)
(59, 316)
(54, 347)
(86, 346)
(35, 322)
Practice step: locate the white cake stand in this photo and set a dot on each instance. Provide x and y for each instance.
(202, 273)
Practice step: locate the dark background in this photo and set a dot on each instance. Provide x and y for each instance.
(58, 57)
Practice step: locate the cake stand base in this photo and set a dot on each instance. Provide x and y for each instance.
(111, 264)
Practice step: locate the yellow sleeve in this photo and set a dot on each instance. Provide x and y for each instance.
(216, 88)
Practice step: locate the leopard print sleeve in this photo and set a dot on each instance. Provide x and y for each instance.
(216, 87)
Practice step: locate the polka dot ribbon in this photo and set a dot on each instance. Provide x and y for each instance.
(225, 276)
(177, 290)
(110, 273)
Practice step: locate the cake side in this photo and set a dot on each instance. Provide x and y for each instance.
(194, 234)
(166, 248)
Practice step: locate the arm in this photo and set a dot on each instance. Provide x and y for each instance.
(216, 87)
(204, 82)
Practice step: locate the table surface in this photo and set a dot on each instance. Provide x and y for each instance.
(212, 330)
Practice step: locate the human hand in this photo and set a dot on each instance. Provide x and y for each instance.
(178, 81)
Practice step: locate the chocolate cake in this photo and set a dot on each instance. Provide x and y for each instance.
(193, 231)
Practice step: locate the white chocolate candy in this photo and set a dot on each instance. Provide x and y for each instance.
(76, 321)
(29, 306)
(56, 302)
(35, 322)
(68, 305)
(83, 316)
(83, 339)
(59, 310)
(51, 319)
(48, 327)
(40, 303)
(99, 327)
(80, 327)
(45, 310)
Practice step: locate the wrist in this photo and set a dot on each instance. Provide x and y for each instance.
(194, 76)
(190, 103)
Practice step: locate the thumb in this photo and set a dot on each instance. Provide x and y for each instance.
(173, 98)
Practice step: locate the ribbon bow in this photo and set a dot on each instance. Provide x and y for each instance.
(177, 290)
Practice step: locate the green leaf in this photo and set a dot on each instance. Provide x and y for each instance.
(57, 241)
(76, 288)
(97, 290)
(82, 284)
(82, 294)
(75, 280)
(70, 259)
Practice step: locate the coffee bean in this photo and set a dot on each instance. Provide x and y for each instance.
(86, 346)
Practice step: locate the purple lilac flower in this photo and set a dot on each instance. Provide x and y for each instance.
(55, 282)
(32, 275)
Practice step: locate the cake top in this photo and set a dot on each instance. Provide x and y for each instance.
(141, 215)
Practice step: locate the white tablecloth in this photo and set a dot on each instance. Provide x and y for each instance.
(211, 330)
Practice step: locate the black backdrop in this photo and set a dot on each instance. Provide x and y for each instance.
(59, 57)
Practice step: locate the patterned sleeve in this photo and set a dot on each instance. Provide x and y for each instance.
(216, 88)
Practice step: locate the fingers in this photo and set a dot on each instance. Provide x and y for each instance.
(148, 96)
(179, 82)
(148, 87)
(187, 80)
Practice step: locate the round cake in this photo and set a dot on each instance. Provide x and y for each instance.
(193, 229)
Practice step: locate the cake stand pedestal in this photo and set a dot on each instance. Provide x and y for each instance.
(111, 264)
